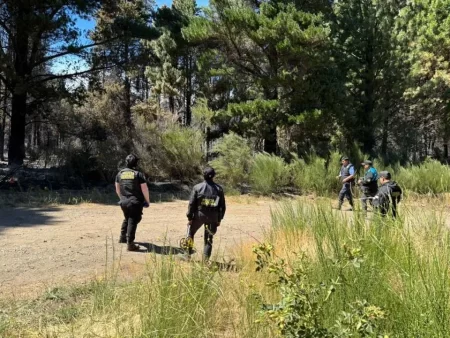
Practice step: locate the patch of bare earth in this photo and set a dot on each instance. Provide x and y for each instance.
(44, 247)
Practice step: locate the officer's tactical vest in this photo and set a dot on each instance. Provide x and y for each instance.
(345, 171)
(129, 184)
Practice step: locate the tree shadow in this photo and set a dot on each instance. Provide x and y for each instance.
(26, 217)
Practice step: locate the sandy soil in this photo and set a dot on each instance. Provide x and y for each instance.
(43, 247)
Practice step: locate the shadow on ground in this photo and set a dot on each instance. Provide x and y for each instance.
(160, 250)
(159, 192)
(26, 217)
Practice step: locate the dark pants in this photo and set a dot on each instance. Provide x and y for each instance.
(346, 192)
(384, 210)
(133, 215)
(210, 231)
(367, 196)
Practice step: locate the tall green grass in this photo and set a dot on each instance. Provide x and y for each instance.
(400, 266)
(316, 174)
(170, 299)
(269, 174)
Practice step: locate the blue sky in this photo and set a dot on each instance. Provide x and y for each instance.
(90, 24)
(61, 66)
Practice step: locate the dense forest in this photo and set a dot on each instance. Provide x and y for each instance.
(290, 78)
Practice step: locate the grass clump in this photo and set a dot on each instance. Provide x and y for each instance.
(316, 175)
(399, 269)
(269, 174)
(234, 160)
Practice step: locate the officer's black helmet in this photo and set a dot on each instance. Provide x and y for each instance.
(209, 173)
(132, 161)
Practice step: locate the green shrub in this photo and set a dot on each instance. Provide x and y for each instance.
(316, 175)
(428, 177)
(269, 174)
(234, 160)
(400, 266)
(169, 151)
(183, 152)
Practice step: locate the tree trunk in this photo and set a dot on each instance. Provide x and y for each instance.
(385, 135)
(188, 90)
(270, 142)
(16, 151)
(446, 152)
(3, 125)
(270, 139)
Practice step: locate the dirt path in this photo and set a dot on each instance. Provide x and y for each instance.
(42, 247)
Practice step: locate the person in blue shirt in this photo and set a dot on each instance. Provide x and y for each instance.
(368, 184)
(347, 177)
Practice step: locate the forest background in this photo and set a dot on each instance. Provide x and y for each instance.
(249, 86)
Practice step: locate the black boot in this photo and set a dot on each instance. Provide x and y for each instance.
(122, 240)
(132, 247)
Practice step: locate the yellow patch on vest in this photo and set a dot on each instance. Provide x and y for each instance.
(207, 202)
(127, 175)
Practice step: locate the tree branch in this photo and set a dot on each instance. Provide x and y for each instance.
(35, 44)
(74, 51)
(68, 76)
(5, 82)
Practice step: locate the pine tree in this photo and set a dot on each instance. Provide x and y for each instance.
(270, 50)
(125, 55)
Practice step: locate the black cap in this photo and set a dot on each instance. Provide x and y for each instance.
(132, 161)
(209, 173)
(367, 162)
(385, 174)
(344, 158)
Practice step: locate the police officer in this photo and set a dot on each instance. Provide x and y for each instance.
(132, 189)
(389, 195)
(206, 207)
(368, 183)
(347, 177)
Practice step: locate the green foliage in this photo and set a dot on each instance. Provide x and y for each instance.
(172, 151)
(300, 311)
(268, 174)
(401, 266)
(234, 160)
(316, 175)
(183, 152)
(428, 177)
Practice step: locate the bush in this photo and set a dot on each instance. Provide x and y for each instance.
(269, 174)
(169, 151)
(428, 177)
(400, 265)
(234, 160)
(316, 175)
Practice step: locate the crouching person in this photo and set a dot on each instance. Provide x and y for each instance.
(206, 207)
(388, 196)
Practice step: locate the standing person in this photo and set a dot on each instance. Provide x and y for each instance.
(206, 207)
(368, 184)
(132, 189)
(389, 195)
(347, 177)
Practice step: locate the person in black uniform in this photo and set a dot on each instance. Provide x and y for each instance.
(206, 207)
(389, 195)
(347, 177)
(132, 189)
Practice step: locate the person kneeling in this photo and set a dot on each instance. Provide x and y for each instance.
(388, 196)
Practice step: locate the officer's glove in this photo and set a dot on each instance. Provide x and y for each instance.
(146, 205)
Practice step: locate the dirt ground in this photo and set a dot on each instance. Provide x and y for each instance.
(44, 247)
